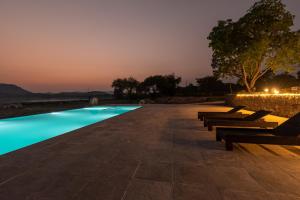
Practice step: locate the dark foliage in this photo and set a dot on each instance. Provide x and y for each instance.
(281, 81)
(168, 85)
(153, 86)
(125, 88)
(260, 41)
(210, 86)
(189, 90)
(159, 85)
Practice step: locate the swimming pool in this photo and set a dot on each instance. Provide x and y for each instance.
(19, 132)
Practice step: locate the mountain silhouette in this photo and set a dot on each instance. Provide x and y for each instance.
(10, 90)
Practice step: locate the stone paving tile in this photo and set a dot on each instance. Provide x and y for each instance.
(244, 195)
(196, 192)
(276, 181)
(250, 162)
(295, 175)
(159, 155)
(109, 183)
(184, 155)
(191, 174)
(290, 165)
(155, 171)
(283, 196)
(233, 178)
(149, 190)
(33, 185)
(222, 159)
(185, 136)
(185, 124)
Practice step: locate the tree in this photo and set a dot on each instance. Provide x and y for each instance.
(150, 85)
(125, 88)
(189, 90)
(119, 88)
(169, 85)
(259, 42)
(210, 85)
(131, 87)
(283, 80)
(265, 81)
(159, 85)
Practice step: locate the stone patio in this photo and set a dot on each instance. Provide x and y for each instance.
(157, 152)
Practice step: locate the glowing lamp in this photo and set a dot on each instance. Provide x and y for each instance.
(266, 89)
(275, 91)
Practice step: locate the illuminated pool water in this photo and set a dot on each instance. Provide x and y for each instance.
(19, 132)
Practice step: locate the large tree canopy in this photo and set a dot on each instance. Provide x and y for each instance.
(210, 84)
(154, 86)
(161, 85)
(125, 88)
(282, 81)
(260, 41)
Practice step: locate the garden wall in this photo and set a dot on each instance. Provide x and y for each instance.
(281, 105)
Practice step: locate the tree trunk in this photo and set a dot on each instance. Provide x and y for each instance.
(249, 89)
(248, 83)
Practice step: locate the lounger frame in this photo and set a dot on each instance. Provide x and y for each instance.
(234, 110)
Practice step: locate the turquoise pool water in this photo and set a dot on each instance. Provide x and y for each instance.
(19, 132)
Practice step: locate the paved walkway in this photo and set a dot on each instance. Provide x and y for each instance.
(157, 152)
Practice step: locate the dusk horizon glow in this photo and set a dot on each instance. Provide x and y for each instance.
(55, 46)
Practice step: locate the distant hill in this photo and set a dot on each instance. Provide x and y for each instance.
(10, 93)
(10, 90)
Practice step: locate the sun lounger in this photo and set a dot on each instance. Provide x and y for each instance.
(246, 117)
(253, 120)
(285, 134)
(234, 110)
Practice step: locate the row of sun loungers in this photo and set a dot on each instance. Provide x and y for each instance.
(253, 120)
(233, 112)
(251, 128)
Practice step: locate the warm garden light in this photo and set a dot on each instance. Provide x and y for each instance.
(269, 94)
(266, 89)
(275, 91)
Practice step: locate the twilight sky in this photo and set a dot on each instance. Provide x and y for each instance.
(67, 45)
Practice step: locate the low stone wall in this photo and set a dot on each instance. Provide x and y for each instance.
(180, 100)
(281, 105)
